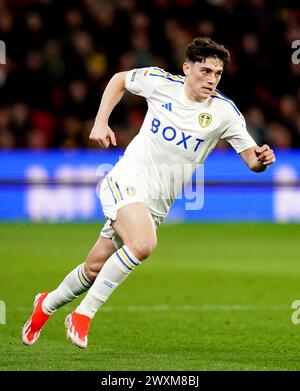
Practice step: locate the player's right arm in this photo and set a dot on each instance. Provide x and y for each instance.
(139, 81)
(101, 132)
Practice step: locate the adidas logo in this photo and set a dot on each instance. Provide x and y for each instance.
(167, 106)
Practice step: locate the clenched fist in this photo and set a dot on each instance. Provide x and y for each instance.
(265, 155)
(103, 135)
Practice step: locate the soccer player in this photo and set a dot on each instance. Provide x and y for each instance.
(186, 118)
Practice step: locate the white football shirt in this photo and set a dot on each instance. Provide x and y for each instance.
(177, 135)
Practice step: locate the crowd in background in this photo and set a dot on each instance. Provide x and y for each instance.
(60, 55)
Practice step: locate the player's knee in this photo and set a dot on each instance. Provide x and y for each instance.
(143, 248)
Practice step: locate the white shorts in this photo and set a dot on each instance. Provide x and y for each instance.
(114, 194)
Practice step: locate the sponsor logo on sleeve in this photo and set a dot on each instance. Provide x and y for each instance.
(133, 76)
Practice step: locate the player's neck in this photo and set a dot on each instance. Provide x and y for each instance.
(190, 95)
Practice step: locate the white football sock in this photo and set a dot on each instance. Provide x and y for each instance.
(115, 270)
(75, 283)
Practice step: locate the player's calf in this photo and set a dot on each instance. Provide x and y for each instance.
(116, 269)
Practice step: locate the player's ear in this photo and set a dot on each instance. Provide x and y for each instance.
(186, 68)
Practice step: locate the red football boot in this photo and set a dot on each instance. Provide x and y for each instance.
(33, 327)
(77, 329)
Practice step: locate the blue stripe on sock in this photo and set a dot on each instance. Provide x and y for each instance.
(129, 268)
(132, 261)
(78, 272)
(84, 276)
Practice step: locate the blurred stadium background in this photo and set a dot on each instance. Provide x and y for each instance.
(59, 57)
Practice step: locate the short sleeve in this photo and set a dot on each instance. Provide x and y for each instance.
(141, 82)
(237, 135)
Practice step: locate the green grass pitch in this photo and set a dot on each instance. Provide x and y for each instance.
(211, 297)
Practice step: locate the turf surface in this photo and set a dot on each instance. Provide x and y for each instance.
(211, 297)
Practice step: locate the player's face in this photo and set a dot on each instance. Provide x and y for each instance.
(202, 78)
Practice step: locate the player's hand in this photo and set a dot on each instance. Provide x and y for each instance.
(103, 135)
(265, 155)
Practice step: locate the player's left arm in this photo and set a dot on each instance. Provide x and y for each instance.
(258, 158)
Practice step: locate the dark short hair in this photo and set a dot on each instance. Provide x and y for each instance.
(202, 47)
